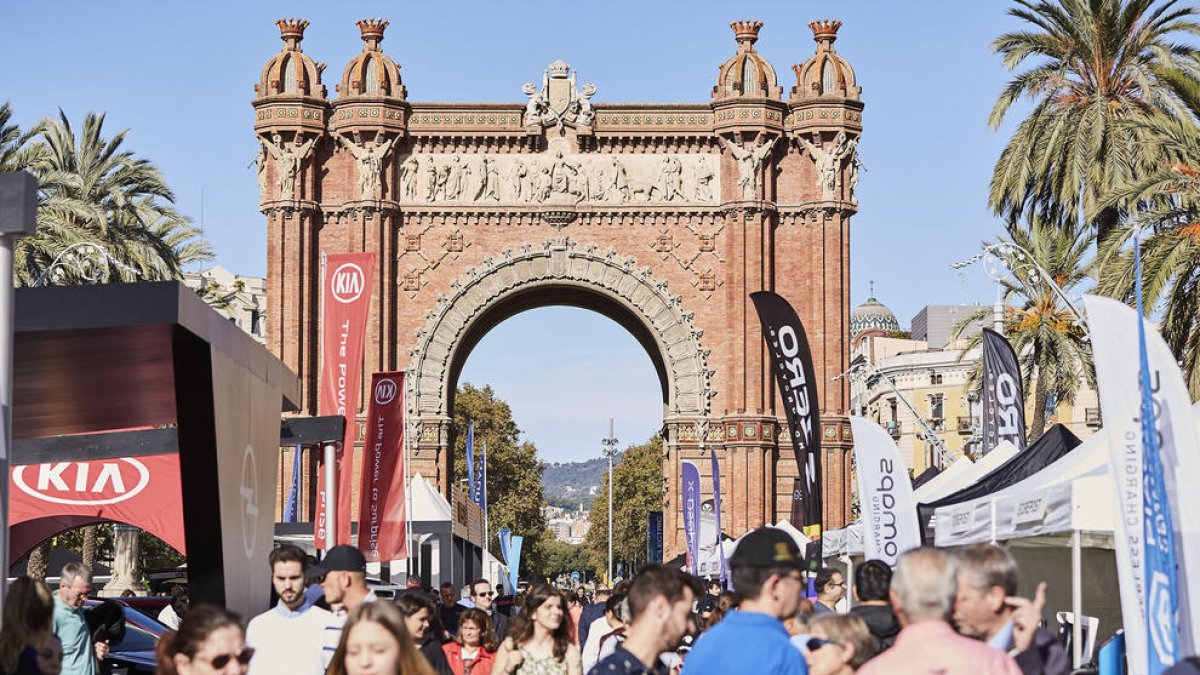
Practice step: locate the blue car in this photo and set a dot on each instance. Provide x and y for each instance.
(134, 655)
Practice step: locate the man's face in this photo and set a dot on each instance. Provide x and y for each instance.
(481, 595)
(679, 620)
(835, 590)
(287, 576)
(787, 591)
(75, 593)
(976, 612)
(447, 593)
(334, 584)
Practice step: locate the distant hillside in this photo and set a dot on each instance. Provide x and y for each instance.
(569, 484)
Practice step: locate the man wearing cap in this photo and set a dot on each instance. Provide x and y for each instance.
(343, 575)
(287, 637)
(766, 575)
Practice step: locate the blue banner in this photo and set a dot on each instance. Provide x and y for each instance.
(483, 486)
(471, 460)
(514, 557)
(691, 514)
(291, 510)
(716, 482)
(1162, 604)
(505, 535)
(654, 537)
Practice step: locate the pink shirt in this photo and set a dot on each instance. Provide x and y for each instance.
(933, 648)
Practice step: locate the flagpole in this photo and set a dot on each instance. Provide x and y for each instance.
(486, 530)
(410, 425)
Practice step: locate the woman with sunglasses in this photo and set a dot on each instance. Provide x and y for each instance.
(376, 641)
(840, 643)
(209, 640)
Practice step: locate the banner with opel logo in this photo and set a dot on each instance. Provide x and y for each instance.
(382, 523)
(141, 491)
(345, 303)
(1003, 401)
(791, 360)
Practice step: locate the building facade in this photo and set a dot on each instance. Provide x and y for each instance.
(242, 299)
(664, 217)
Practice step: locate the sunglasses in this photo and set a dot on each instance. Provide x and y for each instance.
(219, 662)
(814, 644)
(485, 594)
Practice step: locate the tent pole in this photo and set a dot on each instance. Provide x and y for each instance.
(330, 450)
(1076, 599)
(849, 581)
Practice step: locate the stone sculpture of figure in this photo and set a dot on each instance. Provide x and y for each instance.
(670, 179)
(454, 179)
(409, 170)
(587, 115)
(620, 181)
(563, 175)
(431, 181)
(704, 179)
(542, 185)
(534, 106)
(287, 162)
(599, 185)
(517, 178)
(488, 180)
(442, 181)
(855, 165)
(829, 165)
(261, 162)
(749, 162)
(370, 163)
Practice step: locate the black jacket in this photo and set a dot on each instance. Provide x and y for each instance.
(1045, 656)
(882, 623)
(499, 624)
(431, 649)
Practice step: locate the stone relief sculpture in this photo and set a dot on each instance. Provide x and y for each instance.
(704, 179)
(288, 159)
(855, 165)
(488, 181)
(261, 161)
(410, 169)
(558, 102)
(829, 164)
(670, 179)
(749, 162)
(620, 180)
(370, 163)
(518, 180)
(534, 106)
(587, 115)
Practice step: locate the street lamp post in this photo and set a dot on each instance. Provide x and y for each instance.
(610, 451)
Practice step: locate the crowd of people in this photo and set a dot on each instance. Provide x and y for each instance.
(950, 612)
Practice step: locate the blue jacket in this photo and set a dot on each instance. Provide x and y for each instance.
(745, 642)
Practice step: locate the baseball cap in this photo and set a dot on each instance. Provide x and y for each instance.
(767, 547)
(341, 558)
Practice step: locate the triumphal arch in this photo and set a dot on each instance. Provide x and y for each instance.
(663, 217)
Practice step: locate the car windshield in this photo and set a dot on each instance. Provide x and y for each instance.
(136, 640)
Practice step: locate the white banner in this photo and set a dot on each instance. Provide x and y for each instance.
(1113, 330)
(889, 514)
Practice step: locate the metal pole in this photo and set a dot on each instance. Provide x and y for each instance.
(330, 459)
(1076, 599)
(7, 321)
(998, 309)
(610, 450)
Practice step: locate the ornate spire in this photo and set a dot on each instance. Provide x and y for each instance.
(825, 29)
(292, 32)
(372, 32)
(746, 34)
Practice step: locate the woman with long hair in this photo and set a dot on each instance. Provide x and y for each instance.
(376, 641)
(473, 650)
(838, 645)
(209, 640)
(539, 638)
(420, 617)
(28, 622)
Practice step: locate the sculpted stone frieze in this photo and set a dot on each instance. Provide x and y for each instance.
(557, 178)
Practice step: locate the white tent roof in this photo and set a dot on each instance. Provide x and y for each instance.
(935, 488)
(1075, 493)
(427, 503)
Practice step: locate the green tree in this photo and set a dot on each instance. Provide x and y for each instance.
(559, 557)
(1050, 343)
(637, 490)
(14, 143)
(94, 191)
(514, 471)
(1093, 63)
(1167, 205)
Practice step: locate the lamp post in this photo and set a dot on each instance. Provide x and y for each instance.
(610, 451)
(86, 260)
(1017, 260)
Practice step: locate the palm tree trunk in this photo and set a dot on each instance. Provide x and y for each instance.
(39, 561)
(89, 545)
(1041, 393)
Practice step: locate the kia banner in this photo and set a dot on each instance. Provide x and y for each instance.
(1003, 400)
(381, 507)
(345, 302)
(691, 514)
(885, 492)
(791, 360)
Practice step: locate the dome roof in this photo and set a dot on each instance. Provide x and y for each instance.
(872, 315)
(371, 73)
(291, 72)
(826, 73)
(746, 74)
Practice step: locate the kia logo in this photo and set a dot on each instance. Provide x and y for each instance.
(84, 483)
(385, 391)
(348, 282)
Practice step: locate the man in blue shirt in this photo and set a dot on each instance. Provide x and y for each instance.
(79, 654)
(766, 575)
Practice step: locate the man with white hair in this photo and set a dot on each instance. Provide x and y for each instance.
(923, 589)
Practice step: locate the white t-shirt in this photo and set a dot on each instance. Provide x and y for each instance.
(287, 642)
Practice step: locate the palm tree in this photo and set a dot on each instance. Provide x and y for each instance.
(1050, 342)
(94, 191)
(1166, 202)
(14, 149)
(1095, 62)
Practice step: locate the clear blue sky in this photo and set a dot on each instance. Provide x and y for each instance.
(181, 75)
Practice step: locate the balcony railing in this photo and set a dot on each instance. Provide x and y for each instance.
(964, 425)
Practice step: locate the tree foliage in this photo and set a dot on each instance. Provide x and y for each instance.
(514, 472)
(637, 490)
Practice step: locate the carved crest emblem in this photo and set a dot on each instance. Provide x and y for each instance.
(559, 102)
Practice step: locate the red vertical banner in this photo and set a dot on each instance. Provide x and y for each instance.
(346, 299)
(382, 532)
